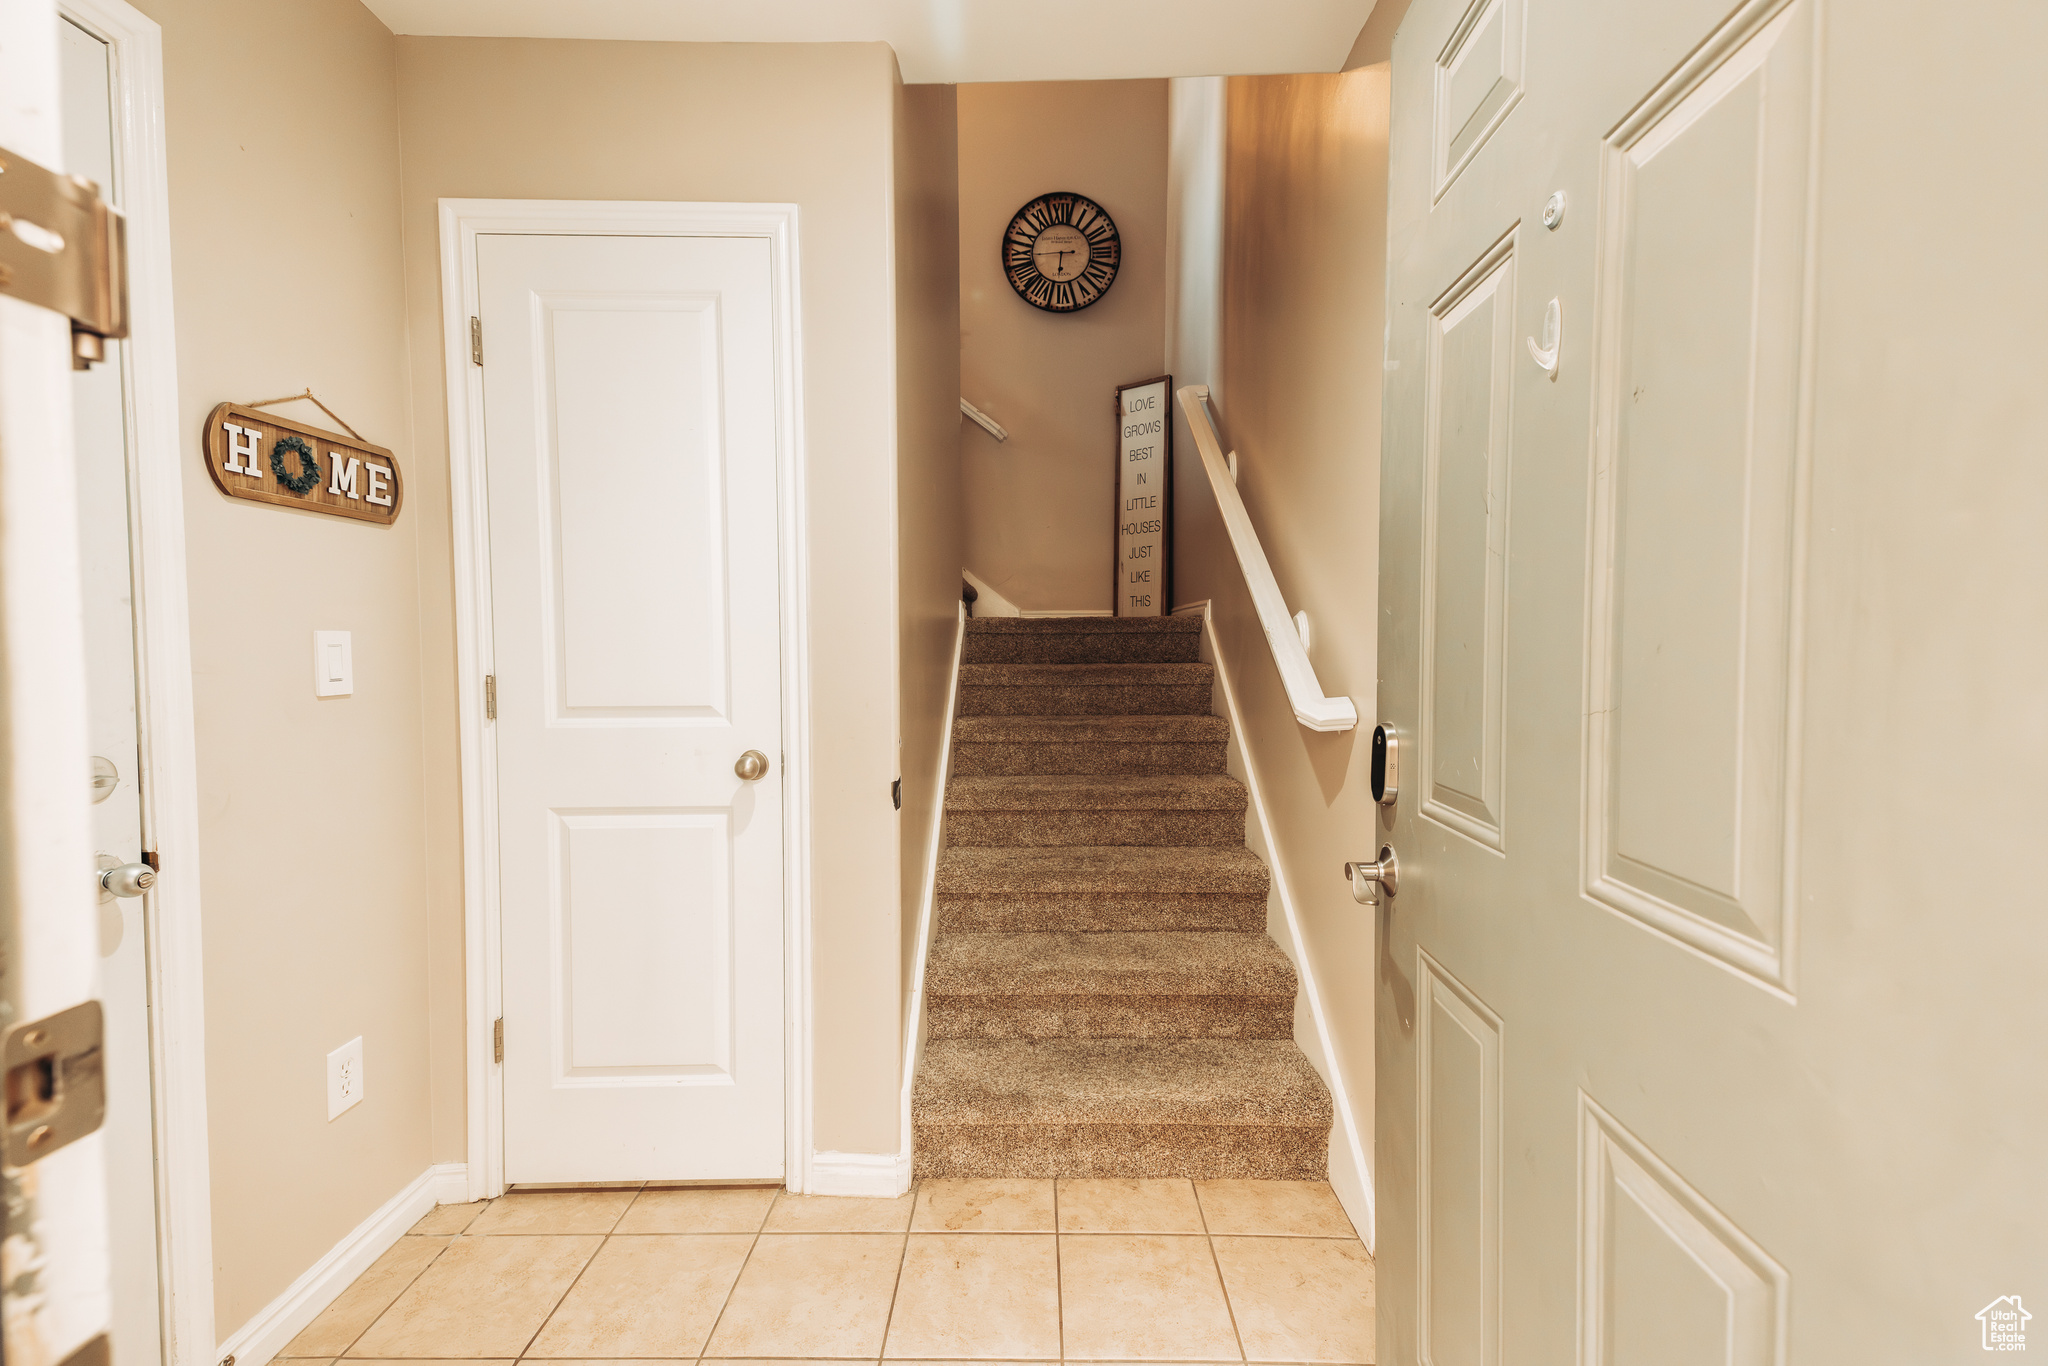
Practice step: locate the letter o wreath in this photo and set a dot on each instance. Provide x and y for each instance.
(309, 465)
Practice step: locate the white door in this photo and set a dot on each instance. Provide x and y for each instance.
(53, 1277)
(100, 437)
(1710, 1021)
(630, 424)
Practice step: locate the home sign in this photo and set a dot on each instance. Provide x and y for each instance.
(269, 459)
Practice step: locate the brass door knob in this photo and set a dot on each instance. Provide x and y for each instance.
(752, 765)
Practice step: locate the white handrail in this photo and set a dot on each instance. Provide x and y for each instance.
(1304, 693)
(984, 421)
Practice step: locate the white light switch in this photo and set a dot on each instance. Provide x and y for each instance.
(334, 664)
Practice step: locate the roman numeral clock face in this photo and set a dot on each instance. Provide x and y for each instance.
(1061, 251)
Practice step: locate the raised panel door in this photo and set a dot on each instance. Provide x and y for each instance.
(1719, 873)
(635, 617)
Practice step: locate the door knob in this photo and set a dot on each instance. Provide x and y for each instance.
(127, 879)
(752, 765)
(1373, 882)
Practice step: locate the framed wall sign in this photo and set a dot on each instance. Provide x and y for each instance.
(269, 459)
(1144, 499)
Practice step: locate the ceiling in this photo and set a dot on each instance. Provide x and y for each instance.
(947, 40)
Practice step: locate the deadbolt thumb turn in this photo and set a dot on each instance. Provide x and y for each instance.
(123, 879)
(752, 765)
(1372, 883)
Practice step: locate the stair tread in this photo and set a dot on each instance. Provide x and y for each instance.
(1102, 870)
(1127, 963)
(1079, 730)
(1260, 1082)
(1097, 792)
(1081, 675)
(1056, 626)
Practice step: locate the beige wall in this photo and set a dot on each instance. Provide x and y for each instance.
(930, 528)
(1302, 322)
(284, 231)
(803, 123)
(1040, 506)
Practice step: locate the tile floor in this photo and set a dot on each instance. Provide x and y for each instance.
(1025, 1271)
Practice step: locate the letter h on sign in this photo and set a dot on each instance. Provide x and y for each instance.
(242, 451)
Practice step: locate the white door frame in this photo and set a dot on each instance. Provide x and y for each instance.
(462, 222)
(166, 742)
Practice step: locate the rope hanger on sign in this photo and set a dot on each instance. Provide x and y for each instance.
(308, 395)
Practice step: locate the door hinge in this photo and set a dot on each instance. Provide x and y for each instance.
(498, 1039)
(476, 341)
(490, 697)
(62, 247)
(56, 1082)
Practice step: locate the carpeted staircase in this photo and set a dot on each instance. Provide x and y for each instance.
(1101, 996)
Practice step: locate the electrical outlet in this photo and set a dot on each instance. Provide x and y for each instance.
(344, 1076)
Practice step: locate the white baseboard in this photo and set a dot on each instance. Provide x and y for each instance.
(1073, 612)
(883, 1176)
(451, 1183)
(1350, 1174)
(284, 1318)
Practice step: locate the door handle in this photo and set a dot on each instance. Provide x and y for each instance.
(1376, 882)
(1553, 332)
(753, 765)
(125, 879)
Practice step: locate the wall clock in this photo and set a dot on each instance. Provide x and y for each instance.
(1061, 251)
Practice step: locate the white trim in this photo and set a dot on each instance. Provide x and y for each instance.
(988, 602)
(461, 222)
(1069, 612)
(284, 1318)
(1350, 1176)
(880, 1176)
(913, 1030)
(166, 740)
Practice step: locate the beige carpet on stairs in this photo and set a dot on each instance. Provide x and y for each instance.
(1102, 999)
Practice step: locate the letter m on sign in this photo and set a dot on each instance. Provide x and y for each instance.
(343, 480)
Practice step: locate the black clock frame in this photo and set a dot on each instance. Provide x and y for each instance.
(1091, 220)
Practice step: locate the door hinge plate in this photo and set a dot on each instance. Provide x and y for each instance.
(490, 697)
(498, 1039)
(63, 247)
(56, 1081)
(476, 341)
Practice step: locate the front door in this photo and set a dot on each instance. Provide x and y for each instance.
(100, 435)
(1713, 636)
(54, 1277)
(635, 618)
